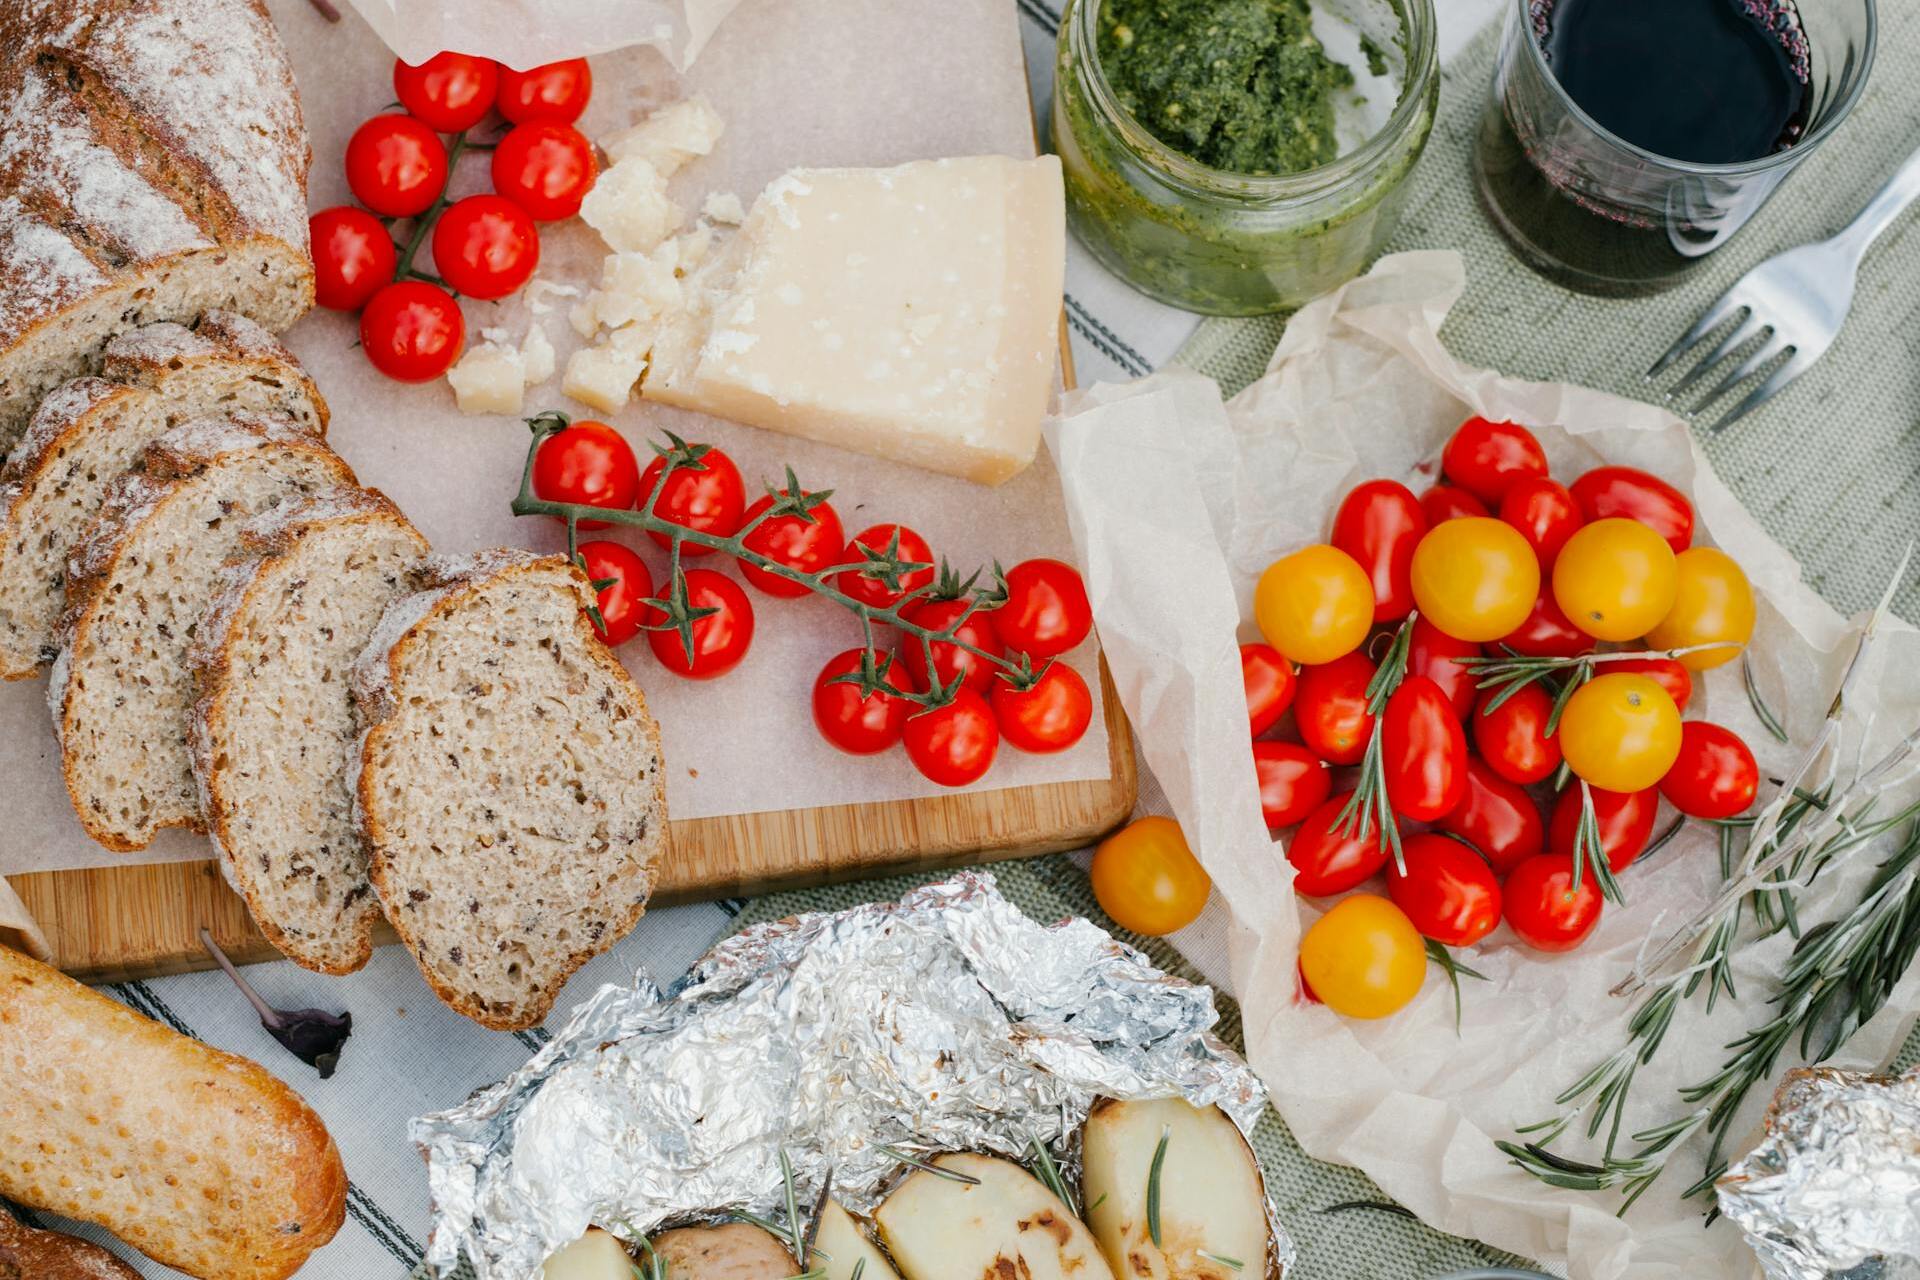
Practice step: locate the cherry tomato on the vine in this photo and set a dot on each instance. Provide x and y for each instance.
(874, 585)
(588, 464)
(1379, 523)
(954, 744)
(861, 725)
(1475, 578)
(1423, 751)
(1513, 737)
(1715, 775)
(554, 93)
(1293, 782)
(1546, 633)
(705, 493)
(546, 169)
(1364, 958)
(1327, 859)
(396, 165)
(1620, 731)
(720, 638)
(1147, 879)
(1712, 600)
(1270, 681)
(449, 92)
(1448, 892)
(622, 602)
(412, 331)
(353, 256)
(485, 246)
(1434, 654)
(949, 660)
(1607, 492)
(791, 539)
(1497, 817)
(1625, 819)
(1314, 605)
(1545, 909)
(1450, 502)
(1330, 708)
(1488, 458)
(1615, 579)
(1046, 612)
(1665, 672)
(1051, 715)
(1544, 513)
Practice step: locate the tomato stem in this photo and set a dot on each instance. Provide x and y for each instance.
(424, 223)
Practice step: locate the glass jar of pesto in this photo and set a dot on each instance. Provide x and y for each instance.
(1272, 171)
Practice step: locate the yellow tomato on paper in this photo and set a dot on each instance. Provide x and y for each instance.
(1364, 958)
(1147, 879)
(1712, 601)
(1620, 732)
(1614, 579)
(1314, 605)
(1475, 578)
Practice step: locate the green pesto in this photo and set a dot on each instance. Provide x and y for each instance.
(1239, 85)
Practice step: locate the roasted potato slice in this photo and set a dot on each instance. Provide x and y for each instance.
(731, 1251)
(1004, 1223)
(840, 1245)
(1213, 1209)
(594, 1256)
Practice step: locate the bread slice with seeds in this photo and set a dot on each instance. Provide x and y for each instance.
(272, 737)
(137, 585)
(510, 784)
(89, 432)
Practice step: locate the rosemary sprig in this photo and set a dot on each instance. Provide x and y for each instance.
(1451, 965)
(908, 1158)
(1369, 803)
(1761, 710)
(1153, 1185)
(1589, 850)
(1510, 672)
(1049, 1173)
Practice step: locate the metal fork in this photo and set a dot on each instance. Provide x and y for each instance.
(1795, 302)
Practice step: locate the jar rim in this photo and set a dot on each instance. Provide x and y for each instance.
(1422, 68)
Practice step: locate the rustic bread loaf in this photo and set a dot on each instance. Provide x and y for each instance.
(89, 432)
(27, 1254)
(153, 166)
(199, 1159)
(137, 584)
(272, 737)
(510, 784)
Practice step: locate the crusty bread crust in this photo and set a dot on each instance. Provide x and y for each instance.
(445, 585)
(27, 1254)
(200, 1159)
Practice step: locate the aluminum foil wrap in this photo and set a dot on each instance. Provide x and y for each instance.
(946, 1021)
(1835, 1181)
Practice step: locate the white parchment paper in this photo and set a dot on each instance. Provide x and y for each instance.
(528, 33)
(1178, 502)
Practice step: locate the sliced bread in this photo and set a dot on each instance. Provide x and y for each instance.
(89, 432)
(510, 782)
(137, 585)
(28, 1254)
(272, 735)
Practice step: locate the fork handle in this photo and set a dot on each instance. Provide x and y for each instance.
(1887, 204)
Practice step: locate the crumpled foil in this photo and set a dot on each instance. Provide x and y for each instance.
(945, 1021)
(1835, 1181)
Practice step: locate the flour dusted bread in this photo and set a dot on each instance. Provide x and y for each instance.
(510, 784)
(273, 739)
(153, 166)
(137, 585)
(27, 1254)
(89, 432)
(199, 1159)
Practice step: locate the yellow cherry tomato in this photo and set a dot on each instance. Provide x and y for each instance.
(1364, 958)
(1712, 601)
(1475, 578)
(1620, 732)
(1614, 579)
(1147, 879)
(1314, 605)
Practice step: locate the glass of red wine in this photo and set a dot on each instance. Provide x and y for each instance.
(1626, 140)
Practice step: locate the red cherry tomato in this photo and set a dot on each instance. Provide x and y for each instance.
(1379, 524)
(555, 93)
(873, 585)
(949, 660)
(622, 602)
(1668, 673)
(1052, 715)
(794, 540)
(1607, 492)
(412, 331)
(1423, 752)
(396, 165)
(589, 464)
(858, 724)
(1432, 653)
(1448, 892)
(1293, 782)
(1446, 502)
(706, 494)
(1544, 513)
(1547, 633)
(1046, 612)
(1498, 818)
(1715, 776)
(485, 246)
(449, 92)
(1625, 818)
(1545, 909)
(1330, 708)
(546, 169)
(1513, 736)
(720, 638)
(1270, 681)
(352, 257)
(1327, 861)
(955, 744)
(1488, 458)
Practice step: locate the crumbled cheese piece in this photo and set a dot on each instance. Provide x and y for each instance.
(670, 137)
(630, 208)
(490, 378)
(724, 206)
(691, 246)
(637, 286)
(584, 320)
(536, 355)
(603, 376)
(538, 290)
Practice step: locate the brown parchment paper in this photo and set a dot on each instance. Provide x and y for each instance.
(799, 82)
(1178, 502)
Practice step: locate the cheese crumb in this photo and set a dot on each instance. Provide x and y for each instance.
(724, 207)
(536, 355)
(637, 286)
(490, 378)
(629, 206)
(603, 376)
(670, 137)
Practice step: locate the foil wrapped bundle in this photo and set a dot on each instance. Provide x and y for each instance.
(1834, 1183)
(948, 1021)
